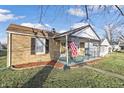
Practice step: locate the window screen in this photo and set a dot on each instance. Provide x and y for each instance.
(40, 46)
(32, 45)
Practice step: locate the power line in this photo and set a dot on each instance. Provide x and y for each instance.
(119, 9)
(41, 14)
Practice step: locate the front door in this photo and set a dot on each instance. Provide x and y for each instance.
(62, 49)
(82, 48)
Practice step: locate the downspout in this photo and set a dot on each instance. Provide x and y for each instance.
(99, 50)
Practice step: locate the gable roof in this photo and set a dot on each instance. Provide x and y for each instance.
(85, 31)
(105, 42)
(14, 28)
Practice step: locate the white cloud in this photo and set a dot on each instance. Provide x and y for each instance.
(4, 11)
(3, 40)
(62, 31)
(6, 15)
(76, 12)
(77, 25)
(48, 25)
(37, 25)
(19, 17)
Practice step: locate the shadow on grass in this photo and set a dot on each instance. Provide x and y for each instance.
(39, 78)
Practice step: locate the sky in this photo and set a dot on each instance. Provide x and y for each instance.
(62, 18)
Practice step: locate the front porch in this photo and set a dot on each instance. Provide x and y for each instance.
(88, 46)
(79, 59)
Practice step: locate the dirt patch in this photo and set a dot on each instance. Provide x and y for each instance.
(37, 64)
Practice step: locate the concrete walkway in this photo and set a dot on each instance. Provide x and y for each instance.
(105, 72)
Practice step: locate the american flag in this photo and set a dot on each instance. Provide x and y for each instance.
(74, 49)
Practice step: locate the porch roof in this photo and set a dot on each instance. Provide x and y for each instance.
(85, 33)
(82, 39)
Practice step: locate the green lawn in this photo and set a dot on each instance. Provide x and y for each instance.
(113, 63)
(48, 77)
(79, 77)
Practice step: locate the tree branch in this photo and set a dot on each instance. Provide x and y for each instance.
(119, 10)
(87, 16)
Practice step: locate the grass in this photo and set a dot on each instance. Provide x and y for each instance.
(113, 63)
(80, 77)
(73, 78)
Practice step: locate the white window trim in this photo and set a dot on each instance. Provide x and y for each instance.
(44, 49)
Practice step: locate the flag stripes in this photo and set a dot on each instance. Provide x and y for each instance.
(74, 49)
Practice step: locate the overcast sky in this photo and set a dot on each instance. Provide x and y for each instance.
(62, 18)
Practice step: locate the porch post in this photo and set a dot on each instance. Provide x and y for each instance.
(9, 50)
(99, 50)
(88, 49)
(67, 49)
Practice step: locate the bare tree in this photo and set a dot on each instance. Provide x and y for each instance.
(113, 27)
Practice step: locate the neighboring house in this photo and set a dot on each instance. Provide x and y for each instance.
(4, 45)
(105, 48)
(121, 45)
(116, 47)
(1, 46)
(28, 45)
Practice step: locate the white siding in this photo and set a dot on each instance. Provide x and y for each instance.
(87, 33)
(105, 48)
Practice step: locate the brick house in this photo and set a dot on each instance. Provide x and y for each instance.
(30, 45)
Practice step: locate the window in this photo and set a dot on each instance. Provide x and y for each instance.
(47, 46)
(32, 45)
(40, 45)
